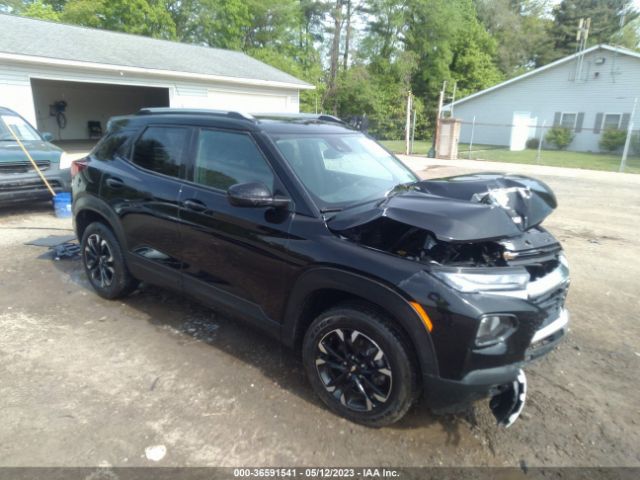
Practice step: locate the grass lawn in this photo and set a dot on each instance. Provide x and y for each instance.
(554, 158)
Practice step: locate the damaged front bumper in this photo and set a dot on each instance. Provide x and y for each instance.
(505, 386)
(507, 405)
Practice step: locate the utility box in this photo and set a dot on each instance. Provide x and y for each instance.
(448, 137)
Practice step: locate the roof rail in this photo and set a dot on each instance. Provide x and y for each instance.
(318, 117)
(194, 111)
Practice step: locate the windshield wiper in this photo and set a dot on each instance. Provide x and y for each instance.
(331, 210)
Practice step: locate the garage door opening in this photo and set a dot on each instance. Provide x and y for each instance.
(88, 107)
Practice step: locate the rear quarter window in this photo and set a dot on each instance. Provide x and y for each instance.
(113, 145)
(161, 149)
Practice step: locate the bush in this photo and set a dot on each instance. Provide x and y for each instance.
(559, 137)
(533, 143)
(612, 139)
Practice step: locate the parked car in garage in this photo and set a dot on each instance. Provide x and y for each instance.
(389, 286)
(19, 180)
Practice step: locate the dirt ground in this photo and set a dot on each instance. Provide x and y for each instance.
(86, 382)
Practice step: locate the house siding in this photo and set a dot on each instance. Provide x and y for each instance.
(549, 92)
(17, 94)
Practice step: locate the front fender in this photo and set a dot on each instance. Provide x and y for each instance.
(372, 290)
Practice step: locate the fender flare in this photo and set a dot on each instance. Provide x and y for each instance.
(99, 206)
(369, 289)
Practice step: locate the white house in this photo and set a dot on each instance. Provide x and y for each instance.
(100, 74)
(586, 92)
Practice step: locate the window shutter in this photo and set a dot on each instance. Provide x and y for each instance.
(579, 121)
(598, 124)
(556, 118)
(625, 121)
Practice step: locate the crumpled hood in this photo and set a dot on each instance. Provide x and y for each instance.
(460, 209)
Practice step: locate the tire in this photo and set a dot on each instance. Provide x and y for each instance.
(374, 389)
(104, 263)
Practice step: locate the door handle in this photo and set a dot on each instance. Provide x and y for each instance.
(114, 182)
(195, 205)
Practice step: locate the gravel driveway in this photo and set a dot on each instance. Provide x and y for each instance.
(85, 381)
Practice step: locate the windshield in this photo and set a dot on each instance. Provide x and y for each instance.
(342, 170)
(20, 128)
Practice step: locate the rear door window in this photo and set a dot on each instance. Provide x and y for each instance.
(161, 150)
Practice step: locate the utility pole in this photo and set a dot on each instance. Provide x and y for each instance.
(473, 131)
(625, 152)
(437, 134)
(540, 141)
(408, 125)
(453, 97)
(581, 38)
(413, 129)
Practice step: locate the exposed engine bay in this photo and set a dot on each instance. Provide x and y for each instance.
(484, 221)
(421, 245)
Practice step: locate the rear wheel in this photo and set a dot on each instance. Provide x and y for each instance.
(104, 262)
(359, 364)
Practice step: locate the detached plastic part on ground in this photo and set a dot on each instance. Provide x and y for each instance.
(61, 246)
(509, 403)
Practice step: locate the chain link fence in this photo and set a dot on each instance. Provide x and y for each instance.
(607, 148)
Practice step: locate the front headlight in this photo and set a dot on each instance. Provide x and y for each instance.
(494, 328)
(506, 280)
(65, 161)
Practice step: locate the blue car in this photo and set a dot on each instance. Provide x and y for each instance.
(19, 181)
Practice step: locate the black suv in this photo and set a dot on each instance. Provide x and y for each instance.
(390, 287)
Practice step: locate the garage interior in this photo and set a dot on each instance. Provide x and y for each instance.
(88, 107)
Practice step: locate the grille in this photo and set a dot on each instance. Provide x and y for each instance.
(22, 167)
(552, 303)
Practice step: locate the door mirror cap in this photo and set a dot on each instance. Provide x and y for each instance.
(47, 137)
(254, 194)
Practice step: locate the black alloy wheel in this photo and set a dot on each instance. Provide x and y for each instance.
(361, 364)
(104, 262)
(354, 369)
(99, 260)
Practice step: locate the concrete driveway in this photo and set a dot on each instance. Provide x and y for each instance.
(85, 381)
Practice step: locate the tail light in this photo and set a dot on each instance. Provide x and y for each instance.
(78, 166)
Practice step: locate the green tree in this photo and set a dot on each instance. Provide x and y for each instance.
(41, 10)
(143, 17)
(606, 16)
(450, 44)
(521, 30)
(629, 35)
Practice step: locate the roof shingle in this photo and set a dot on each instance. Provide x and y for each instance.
(38, 38)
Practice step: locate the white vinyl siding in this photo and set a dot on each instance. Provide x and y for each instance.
(551, 92)
(16, 93)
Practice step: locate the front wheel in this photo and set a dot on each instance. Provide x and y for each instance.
(104, 262)
(360, 365)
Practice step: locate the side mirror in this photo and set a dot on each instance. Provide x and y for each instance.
(47, 137)
(254, 194)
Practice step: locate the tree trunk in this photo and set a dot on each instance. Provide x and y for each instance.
(335, 54)
(345, 63)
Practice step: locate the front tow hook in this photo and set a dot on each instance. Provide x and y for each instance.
(508, 404)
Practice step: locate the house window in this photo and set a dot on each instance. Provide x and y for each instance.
(611, 120)
(568, 120)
